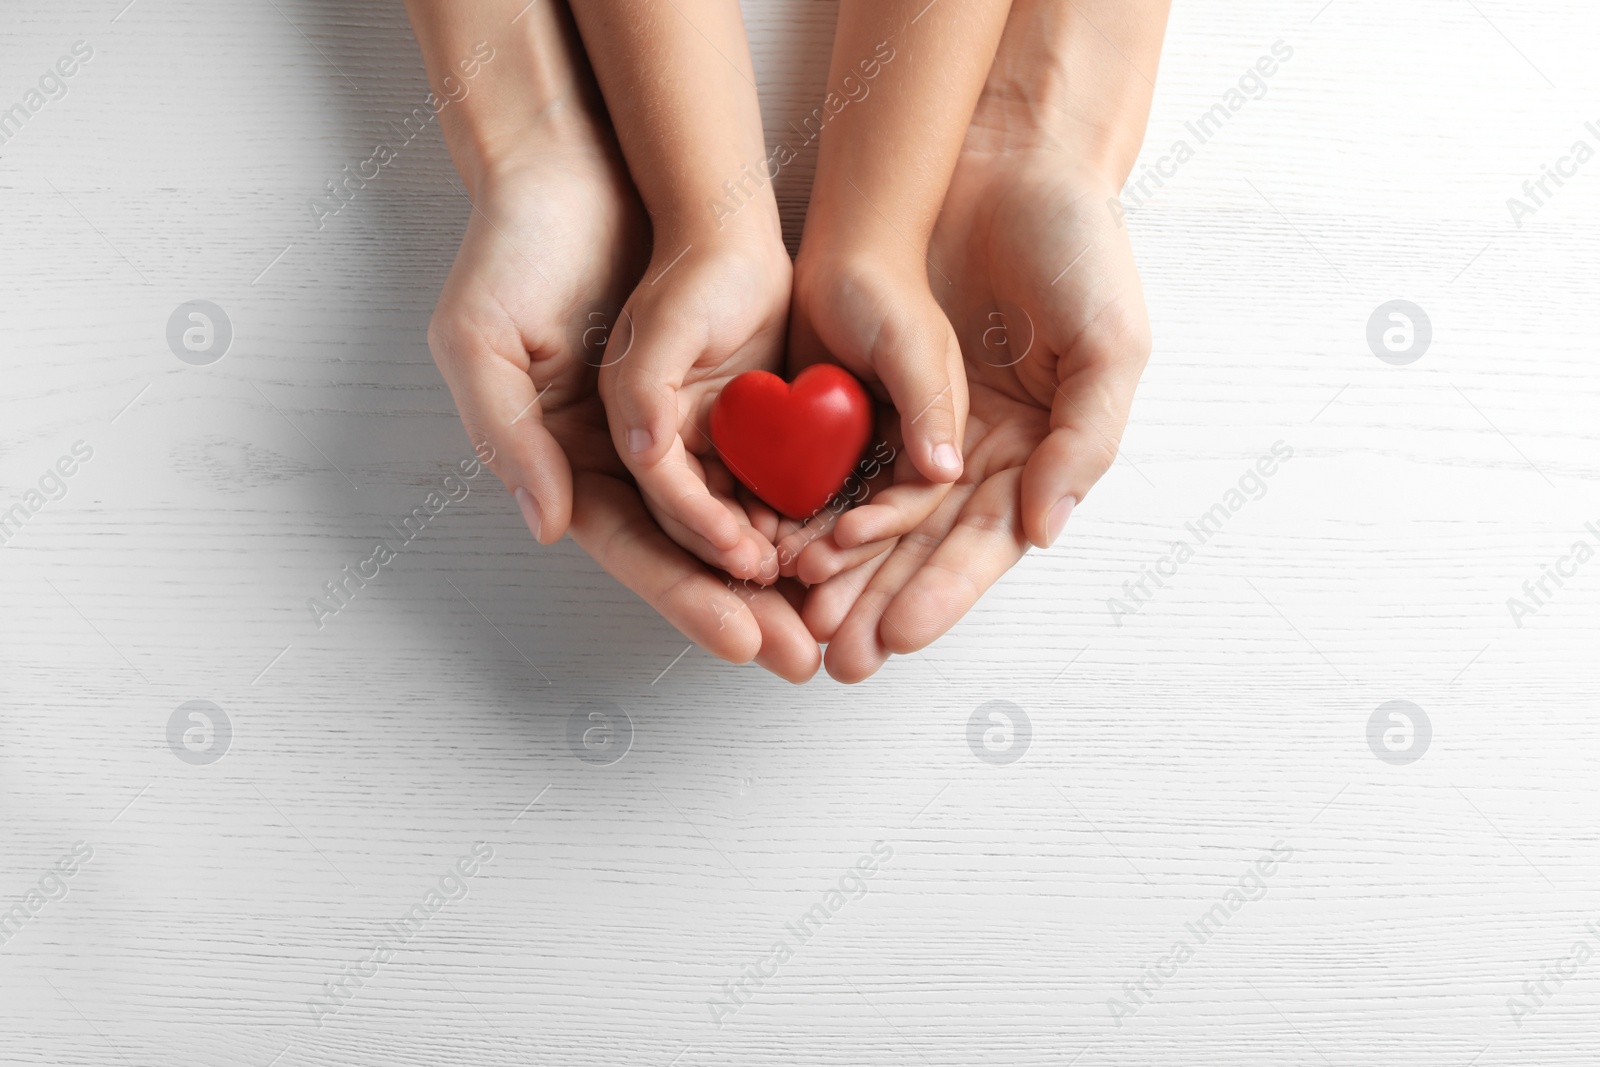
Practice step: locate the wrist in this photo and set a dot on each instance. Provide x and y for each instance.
(506, 80)
(1036, 109)
(494, 151)
(847, 229)
(826, 269)
(732, 224)
(1060, 82)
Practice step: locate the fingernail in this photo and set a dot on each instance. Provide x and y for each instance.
(639, 440)
(530, 510)
(1058, 518)
(946, 457)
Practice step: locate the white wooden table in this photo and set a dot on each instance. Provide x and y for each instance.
(1169, 750)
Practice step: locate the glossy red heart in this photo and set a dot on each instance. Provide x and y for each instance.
(792, 445)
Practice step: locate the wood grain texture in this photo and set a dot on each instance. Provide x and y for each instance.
(1167, 752)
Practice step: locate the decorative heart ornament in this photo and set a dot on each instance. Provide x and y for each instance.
(792, 444)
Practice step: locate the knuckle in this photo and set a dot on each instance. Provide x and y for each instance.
(1098, 452)
(988, 522)
(1117, 336)
(450, 335)
(635, 386)
(919, 545)
(484, 448)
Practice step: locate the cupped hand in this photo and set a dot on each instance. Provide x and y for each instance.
(707, 309)
(872, 312)
(555, 242)
(1045, 296)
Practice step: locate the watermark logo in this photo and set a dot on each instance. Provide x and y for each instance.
(1007, 334)
(600, 733)
(1399, 732)
(1399, 332)
(603, 336)
(199, 332)
(999, 732)
(199, 732)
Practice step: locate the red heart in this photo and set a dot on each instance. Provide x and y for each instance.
(792, 445)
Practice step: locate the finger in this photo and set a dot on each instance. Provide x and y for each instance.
(827, 605)
(824, 558)
(857, 649)
(796, 538)
(854, 651)
(751, 556)
(922, 371)
(793, 592)
(1087, 418)
(641, 395)
(499, 403)
(610, 523)
(897, 510)
(765, 521)
(787, 647)
(869, 482)
(986, 541)
(757, 553)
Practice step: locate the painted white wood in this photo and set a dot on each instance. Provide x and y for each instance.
(1167, 753)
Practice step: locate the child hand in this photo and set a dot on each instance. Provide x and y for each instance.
(680, 89)
(705, 312)
(874, 314)
(862, 289)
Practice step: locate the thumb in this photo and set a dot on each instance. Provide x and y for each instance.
(1087, 418)
(500, 407)
(923, 373)
(641, 392)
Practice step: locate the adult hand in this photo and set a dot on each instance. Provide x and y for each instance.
(1040, 283)
(552, 243)
(556, 240)
(1045, 296)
